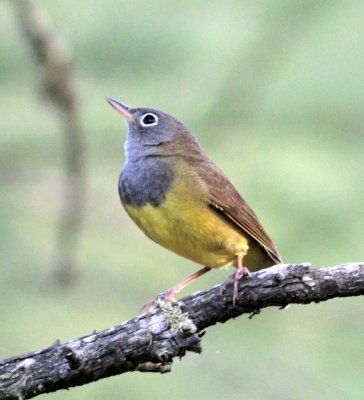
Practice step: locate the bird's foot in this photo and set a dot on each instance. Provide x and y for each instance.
(169, 297)
(234, 279)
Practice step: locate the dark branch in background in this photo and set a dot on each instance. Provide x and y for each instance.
(149, 343)
(59, 82)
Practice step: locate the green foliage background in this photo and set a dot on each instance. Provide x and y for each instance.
(274, 91)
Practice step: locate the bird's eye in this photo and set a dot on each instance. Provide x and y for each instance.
(149, 119)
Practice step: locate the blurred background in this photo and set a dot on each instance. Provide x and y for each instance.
(275, 93)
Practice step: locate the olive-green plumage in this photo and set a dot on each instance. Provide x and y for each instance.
(181, 200)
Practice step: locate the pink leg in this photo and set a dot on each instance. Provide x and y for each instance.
(170, 294)
(236, 276)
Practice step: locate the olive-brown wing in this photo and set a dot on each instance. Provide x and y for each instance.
(225, 198)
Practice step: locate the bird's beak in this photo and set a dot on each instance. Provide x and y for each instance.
(121, 109)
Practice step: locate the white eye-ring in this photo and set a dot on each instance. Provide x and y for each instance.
(149, 119)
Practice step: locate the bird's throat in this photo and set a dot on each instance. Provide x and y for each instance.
(148, 184)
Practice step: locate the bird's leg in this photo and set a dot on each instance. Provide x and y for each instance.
(236, 276)
(239, 273)
(170, 294)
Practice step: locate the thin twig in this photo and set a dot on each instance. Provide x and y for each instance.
(59, 85)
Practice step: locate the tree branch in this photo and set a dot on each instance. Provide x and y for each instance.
(149, 343)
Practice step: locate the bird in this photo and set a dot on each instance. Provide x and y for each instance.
(181, 200)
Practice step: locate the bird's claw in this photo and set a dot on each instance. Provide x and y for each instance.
(234, 279)
(151, 305)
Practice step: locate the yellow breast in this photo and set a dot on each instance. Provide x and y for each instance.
(184, 223)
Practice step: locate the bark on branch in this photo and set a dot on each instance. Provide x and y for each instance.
(149, 343)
